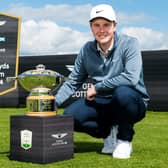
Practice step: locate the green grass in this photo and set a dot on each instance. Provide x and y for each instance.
(150, 146)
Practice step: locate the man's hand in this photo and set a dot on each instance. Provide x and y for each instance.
(91, 92)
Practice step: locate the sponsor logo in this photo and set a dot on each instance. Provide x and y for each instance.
(59, 139)
(85, 86)
(26, 139)
(59, 136)
(70, 67)
(2, 22)
(2, 39)
(99, 11)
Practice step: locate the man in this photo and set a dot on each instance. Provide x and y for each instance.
(118, 97)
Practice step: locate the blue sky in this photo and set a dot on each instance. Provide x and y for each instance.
(56, 27)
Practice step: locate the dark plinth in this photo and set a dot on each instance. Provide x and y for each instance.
(52, 138)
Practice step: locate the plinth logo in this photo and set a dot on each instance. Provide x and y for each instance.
(26, 139)
(59, 139)
(59, 136)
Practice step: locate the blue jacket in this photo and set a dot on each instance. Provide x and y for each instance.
(123, 66)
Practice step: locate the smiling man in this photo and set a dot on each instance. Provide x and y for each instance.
(118, 97)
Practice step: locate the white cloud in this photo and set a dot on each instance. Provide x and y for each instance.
(46, 37)
(42, 33)
(149, 39)
(78, 14)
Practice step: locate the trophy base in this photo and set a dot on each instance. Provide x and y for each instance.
(40, 105)
(41, 114)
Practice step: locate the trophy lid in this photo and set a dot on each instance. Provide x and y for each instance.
(40, 77)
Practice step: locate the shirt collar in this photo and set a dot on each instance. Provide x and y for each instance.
(102, 52)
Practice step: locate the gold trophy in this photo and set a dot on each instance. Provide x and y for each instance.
(39, 82)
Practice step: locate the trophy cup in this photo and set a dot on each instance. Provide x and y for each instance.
(39, 82)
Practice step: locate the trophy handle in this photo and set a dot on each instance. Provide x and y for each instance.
(10, 79)
(59, 81)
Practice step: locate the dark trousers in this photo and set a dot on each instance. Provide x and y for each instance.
(96, 117)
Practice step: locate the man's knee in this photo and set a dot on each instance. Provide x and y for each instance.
(125, 95)
(130, 102)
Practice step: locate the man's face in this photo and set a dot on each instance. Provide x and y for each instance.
(103, 30)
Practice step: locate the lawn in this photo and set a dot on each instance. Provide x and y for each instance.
(150, 146)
